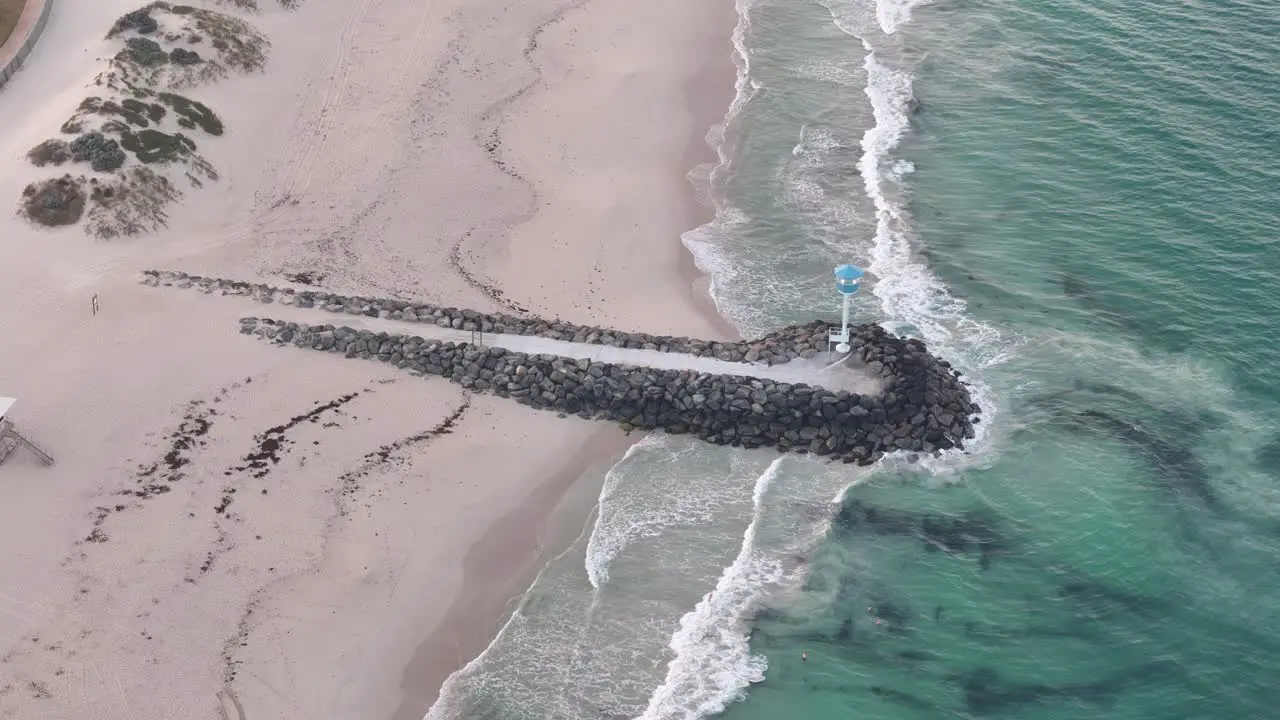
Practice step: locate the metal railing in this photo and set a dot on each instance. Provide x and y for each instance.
(10, 439)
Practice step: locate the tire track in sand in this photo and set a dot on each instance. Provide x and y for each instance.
(307, 143)
(337, 243)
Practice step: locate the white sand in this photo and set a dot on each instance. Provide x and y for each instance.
(359, 155)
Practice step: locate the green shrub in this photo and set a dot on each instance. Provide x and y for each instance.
(153, 146)
(192, 113)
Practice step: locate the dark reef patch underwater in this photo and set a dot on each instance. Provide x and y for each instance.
(1083, 222)
(1098, 182)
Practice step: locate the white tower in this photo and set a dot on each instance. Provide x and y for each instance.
(847, 283)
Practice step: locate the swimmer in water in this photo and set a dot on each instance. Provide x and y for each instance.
(804, 656)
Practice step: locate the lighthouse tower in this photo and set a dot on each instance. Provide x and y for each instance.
(848, 280)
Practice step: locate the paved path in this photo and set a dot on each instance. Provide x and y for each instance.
(818, 371)
(15, 49)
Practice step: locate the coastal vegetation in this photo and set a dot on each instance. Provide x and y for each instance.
(49, 152)
(129, 202)
(192, 114)
(136, 133)
(179, 46)
(252, 5)
(55, 202)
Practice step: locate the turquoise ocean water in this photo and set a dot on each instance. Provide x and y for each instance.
(1078, 204)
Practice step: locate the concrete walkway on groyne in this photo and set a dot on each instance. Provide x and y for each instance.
(825, 370)
(785, 389)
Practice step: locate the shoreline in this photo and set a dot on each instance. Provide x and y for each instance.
(469, 617)
(423, 677)
(710, 98)
(218, 578)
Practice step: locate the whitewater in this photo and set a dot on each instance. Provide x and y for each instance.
(711, 663)
(717, 541)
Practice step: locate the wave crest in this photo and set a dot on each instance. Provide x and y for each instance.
(713, 661)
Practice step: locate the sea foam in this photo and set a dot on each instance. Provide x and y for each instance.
(891, 14)
(914, 299)
(663, 495)
(704, 241)
(713, 661)
(607, 540)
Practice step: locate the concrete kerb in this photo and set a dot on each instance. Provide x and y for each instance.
(35, 15)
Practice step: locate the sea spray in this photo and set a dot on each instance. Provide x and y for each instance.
(860, 17)
(744, 87)
(909, 293)
(835, 209)
(891, 14)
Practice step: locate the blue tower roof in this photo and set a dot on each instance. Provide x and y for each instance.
(848, 272)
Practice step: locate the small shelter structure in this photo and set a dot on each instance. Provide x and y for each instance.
(11, 439)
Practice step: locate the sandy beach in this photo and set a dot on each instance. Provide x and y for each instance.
(237, 531)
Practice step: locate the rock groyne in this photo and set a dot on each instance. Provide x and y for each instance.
(924, 407)
(797, 341)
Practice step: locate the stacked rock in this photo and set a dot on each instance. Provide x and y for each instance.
(924, 408)
(788, 343)
(924, 399)
(798, 341)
